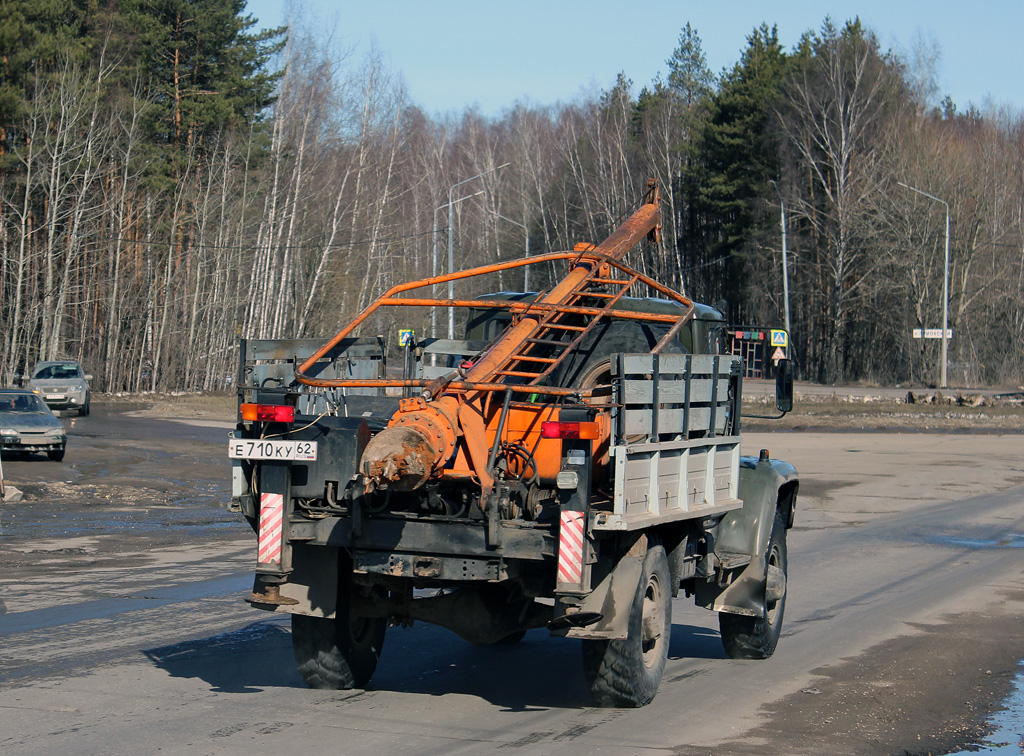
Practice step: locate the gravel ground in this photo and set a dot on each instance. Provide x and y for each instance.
(961, 665)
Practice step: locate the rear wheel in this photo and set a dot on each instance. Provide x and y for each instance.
(756, 637)
(339, 653)
(627, 672)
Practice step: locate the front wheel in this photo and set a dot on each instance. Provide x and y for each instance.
(627, 672)
(55, 455)
(339, 653)
(756, 637)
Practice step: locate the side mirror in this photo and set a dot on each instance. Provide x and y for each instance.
(784, 386)
(88, 377)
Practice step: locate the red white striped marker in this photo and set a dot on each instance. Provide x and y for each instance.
(271, 522)
(570, 548)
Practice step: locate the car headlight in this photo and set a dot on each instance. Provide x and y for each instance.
(8, 432)
(55, 432)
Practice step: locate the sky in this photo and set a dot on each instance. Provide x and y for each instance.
(456, 54)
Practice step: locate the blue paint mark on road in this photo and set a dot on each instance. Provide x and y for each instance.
(1008, 541)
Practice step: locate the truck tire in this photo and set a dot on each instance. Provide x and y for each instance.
(627, 672)
(600, 344)
(340, 653)
(756, 637)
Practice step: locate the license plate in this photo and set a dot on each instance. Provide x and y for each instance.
(58, 397)
(256, 448)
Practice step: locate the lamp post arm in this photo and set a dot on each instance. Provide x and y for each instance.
(451, 243)
(526, 270)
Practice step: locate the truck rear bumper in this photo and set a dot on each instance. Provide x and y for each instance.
(464, 540)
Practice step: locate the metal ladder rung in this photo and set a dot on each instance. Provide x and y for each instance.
(528, 358)
(578, 329)
(549, 342)
(516, 374)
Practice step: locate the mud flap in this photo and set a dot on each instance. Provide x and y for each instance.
(612, 598)
(312, 585)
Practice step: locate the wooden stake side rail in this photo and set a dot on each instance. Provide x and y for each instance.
(670, 460)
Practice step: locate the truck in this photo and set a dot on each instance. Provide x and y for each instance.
(572, 464)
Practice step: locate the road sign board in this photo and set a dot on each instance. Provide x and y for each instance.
(778, 354)
(405, 337)
(780, 339)
(932, 333)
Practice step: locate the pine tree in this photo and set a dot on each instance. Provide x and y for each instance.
(206, 70)
(689, 76)
(737, 157)
(34, 36)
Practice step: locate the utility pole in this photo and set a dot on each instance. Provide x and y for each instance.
(945, 286)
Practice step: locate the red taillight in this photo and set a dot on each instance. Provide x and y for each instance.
(268, 413)
(559, 429)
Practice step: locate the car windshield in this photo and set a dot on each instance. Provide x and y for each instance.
(21, 403)
(57, 372)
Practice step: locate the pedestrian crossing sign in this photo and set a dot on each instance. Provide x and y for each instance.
(405, 337)
(780, 339)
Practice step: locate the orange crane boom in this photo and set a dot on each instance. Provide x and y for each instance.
(424, 435)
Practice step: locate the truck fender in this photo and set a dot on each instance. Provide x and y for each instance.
(765, 486)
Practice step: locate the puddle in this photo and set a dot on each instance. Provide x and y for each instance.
(188, 519)
(1007, 739)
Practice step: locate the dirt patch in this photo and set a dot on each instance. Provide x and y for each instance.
(178, 406)
(835, 413)
(876, 704)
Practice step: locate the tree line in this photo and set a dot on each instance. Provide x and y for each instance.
(172, 181)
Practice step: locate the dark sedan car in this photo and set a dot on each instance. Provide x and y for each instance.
(28, 425)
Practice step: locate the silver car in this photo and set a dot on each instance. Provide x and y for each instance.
(28, 425)
(62, 385)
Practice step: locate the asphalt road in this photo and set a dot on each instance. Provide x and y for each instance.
(122, 628)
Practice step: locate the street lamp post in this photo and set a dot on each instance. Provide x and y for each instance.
(526, 269)
(945, 285)
(451, 244)
(785, 260)
(433, 260)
